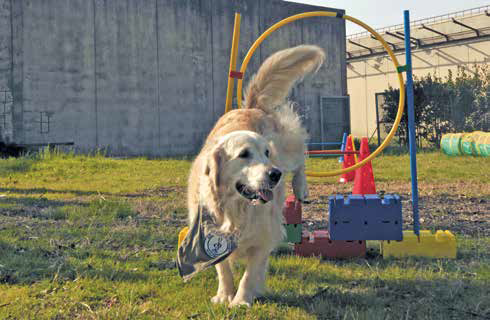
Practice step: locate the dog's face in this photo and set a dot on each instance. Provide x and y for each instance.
(240, 166)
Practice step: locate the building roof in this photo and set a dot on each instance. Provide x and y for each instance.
(467, 25)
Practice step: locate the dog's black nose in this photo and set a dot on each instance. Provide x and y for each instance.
(275, 175)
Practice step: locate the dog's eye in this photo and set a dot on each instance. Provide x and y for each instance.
(267, 153)
(244, 154)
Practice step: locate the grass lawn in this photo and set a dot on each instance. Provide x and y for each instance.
(93, 237)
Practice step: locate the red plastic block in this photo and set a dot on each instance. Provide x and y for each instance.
(318, 243)
(292, 210)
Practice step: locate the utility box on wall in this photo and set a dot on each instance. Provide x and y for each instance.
(146, 77)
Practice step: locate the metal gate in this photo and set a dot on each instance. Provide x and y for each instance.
(381, 126)
(331, 120)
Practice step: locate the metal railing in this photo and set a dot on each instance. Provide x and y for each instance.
(430, 20)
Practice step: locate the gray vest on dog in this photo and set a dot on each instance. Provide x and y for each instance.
(204, 245)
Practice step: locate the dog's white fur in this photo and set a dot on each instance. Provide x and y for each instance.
(267, 124)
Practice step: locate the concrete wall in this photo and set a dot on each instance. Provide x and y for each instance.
(143, 77)
(6, 104)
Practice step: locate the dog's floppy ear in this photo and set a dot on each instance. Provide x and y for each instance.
(212, 170)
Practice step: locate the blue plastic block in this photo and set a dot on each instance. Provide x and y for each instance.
(365, 217)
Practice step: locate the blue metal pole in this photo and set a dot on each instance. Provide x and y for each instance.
(411, 125)
(342, 146)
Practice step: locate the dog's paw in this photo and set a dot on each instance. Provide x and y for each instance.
(300, 186)
(260, 291)
(222, 298)
(238, 302)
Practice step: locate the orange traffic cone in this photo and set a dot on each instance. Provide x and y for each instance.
(349, 161)
(364, 178)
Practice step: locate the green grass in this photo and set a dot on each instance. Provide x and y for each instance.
(95, 237)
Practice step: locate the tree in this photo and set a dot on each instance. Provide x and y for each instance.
(444, 105)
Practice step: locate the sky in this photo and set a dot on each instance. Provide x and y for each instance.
(383, 13)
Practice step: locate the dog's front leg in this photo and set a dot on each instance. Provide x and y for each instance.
(300, 187)
(262, 272)
(247, 290)
(226, 288)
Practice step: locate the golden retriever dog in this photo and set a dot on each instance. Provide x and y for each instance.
(239, 173)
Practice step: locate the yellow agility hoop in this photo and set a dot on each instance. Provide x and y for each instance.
(401, 103)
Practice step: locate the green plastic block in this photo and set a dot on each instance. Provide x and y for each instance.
(293, 232)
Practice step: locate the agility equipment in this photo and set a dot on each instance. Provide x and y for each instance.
(417, 243)
(318, 243)
(354, 148)
(327, 144)
(293, 232)
(476, 143)
(423, 238)
(441, 244)
(239, 76)
(364, 177)
(292, 215)
(342, 146)
(365, 217)
(232, 74)
(349, 160)
(292, 210)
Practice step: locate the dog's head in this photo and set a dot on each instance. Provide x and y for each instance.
(239, 166)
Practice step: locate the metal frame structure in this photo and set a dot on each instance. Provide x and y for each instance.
(431, 20)
(430, 37)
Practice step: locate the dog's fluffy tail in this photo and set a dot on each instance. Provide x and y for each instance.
(272, 83)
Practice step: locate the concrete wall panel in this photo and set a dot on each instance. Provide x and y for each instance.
(223, 20)
(58, 72)
(127, 69)
(6, 99)
(5, 45)
(185, 80)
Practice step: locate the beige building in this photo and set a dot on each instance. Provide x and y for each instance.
(439, 44)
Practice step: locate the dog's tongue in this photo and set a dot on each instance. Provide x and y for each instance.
(266, 195)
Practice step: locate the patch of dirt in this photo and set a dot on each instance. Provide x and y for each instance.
(158, 192)
(446, 207)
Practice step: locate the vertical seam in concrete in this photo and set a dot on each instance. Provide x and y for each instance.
(95, 80)
(158, 77)
(261, 26)
(212, 64)
(343, 58)
(19, 135)
(11, 53)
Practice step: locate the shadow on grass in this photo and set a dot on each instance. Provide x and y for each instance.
(24, 265)
(39, 202)
(31, 207)
(382, 294)
(47, 191)
(377, 298)
(14, 165)
(161, 192)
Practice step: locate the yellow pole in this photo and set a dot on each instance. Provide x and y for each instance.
(401, 102)
(233, 58)
(354, 148)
